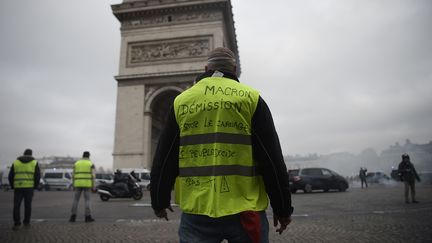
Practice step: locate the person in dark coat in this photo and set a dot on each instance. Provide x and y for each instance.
(362, 175)
(408, 175)
(24, 176)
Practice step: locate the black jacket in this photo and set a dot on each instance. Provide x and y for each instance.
(24, 159)
(407, 171)
(266, 150)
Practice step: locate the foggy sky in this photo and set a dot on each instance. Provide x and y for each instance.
(337, 75)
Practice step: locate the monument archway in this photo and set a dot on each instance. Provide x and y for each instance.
(164, 46)
(158, 105)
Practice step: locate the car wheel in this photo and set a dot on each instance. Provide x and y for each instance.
(326, 190)
(307, 188)
(293, 191)
(342, 187)
(104, 197)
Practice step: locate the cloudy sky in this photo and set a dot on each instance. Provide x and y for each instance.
(338, 75)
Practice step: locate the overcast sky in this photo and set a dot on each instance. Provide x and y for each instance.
(338, 75)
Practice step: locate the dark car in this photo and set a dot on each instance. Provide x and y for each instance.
(309, 179)
(377, 177)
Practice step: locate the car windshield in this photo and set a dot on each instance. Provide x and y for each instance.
(312, 172)
(145, 176)
(53, 175)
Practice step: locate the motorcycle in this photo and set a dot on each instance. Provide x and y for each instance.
(116, 190)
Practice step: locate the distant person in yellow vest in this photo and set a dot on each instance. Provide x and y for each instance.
(24, 176)
(83, 182)
(221, 150)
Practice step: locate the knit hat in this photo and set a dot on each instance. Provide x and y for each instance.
(86, 154)
(221, 54)
(221, 59)
(28, 152)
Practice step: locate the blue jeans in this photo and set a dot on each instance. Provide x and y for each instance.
(76, 199)
(201, 228)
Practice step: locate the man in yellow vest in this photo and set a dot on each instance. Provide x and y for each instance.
(24, 176)
(221, 150)
(83, 182)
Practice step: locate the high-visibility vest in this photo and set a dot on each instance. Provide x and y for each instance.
(24, 174)
(217, 173)
(82, 174)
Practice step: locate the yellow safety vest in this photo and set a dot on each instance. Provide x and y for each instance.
(82, 174)
(217, 173)
(24, 174)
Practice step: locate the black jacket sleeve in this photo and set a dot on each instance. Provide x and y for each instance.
(37, 176)
(11, 176)
(165, 164)
(268, 153)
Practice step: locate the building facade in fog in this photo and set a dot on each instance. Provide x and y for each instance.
(164, 45)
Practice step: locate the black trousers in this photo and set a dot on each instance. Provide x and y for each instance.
(19, 195)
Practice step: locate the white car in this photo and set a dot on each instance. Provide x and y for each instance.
(58, 179)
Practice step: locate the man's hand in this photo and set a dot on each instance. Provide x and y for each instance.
(283, 221)
(163, 213)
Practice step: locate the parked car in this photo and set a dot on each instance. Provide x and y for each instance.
(5, 182)
(377, 177)
(309, 179)
(59, 179)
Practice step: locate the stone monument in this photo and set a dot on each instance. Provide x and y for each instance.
(164, 44)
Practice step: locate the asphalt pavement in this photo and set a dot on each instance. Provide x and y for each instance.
(376, 214)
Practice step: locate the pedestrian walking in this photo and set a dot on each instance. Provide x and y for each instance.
(408, 175)
(83, 182)
(221, 150)
(362, 175)
(24, 176)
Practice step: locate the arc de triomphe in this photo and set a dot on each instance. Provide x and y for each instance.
(164, 44)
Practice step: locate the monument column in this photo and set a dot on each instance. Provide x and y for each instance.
(147, 148)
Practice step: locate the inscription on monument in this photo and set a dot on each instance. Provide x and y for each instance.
(165, 50)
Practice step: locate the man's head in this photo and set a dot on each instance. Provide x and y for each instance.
(28, 152)
(86, 154)
(405, 157)
(221, 59)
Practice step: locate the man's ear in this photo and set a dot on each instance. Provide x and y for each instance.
(206, 68)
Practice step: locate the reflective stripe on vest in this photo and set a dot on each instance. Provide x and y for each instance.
(82, 174)
(24, 174)
(219, 170)
(215, 138)
(217, 174)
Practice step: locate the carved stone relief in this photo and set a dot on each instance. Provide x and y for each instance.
(166, 50)
(175, 18)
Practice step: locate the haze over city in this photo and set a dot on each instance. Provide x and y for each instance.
(338, 76)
